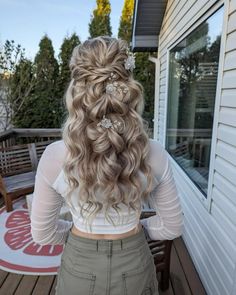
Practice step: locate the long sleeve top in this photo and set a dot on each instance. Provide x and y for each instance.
(49, 197)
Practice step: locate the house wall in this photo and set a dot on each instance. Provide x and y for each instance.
(210, 226)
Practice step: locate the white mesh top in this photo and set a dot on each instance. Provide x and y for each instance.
(49, 193)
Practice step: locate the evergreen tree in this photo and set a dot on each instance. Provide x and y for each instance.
(100, 21)
(144, 70)
(126, 20)
(21, 88)
(45, 111)
(64, 72)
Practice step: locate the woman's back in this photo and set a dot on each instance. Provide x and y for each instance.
(50, 192)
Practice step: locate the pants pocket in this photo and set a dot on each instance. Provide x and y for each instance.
(140, 281)
(74, 282)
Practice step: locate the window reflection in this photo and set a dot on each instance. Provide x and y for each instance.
(191, 98)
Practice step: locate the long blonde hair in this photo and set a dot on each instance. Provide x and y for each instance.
(100, 158)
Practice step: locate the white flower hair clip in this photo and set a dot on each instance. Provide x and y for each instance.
(107, 123)
(130, 61)
(114, 86)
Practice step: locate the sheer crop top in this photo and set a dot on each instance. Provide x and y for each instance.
(49, 197)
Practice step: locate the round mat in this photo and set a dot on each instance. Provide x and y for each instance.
(19, 253)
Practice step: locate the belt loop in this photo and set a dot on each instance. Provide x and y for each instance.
(121, 241)
(110, 249)
(97, 245)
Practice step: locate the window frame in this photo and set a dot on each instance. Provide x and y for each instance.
(206, 201)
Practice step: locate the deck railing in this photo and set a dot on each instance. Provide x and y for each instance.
(28, 135)
(16, 136)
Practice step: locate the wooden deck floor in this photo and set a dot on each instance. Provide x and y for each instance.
(184, 279)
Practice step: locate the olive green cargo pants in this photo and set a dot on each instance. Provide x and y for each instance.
(107, 267)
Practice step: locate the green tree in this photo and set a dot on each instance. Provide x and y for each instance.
(100, 20)
(45, 104)
(64, 72)
(124, 31)
(144, 70)
(16, 83)
(22, 86)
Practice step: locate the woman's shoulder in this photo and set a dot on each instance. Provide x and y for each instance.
(157, 150)
(56, 145)
(56, 150)
(54, 153)
(52, 158)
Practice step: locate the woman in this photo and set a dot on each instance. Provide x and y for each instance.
(104, 168)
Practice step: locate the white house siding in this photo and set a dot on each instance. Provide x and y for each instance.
(210, 235)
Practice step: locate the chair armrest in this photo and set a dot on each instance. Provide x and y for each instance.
(2, 185)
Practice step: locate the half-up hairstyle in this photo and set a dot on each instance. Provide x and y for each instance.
(105, 160)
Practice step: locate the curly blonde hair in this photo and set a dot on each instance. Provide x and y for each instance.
(105, 159)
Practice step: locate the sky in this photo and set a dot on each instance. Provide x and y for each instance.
(26, 21)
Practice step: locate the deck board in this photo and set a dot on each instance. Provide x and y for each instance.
(184, 279)
(26, 285)
(3, 275)
(188, 268)
(10, 284)
(43, 285)
(178, 279)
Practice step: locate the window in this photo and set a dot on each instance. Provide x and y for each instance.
(193, 69)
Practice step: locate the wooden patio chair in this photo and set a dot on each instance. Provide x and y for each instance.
(161, 251)
(18, 166)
